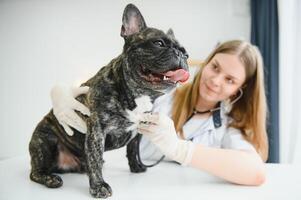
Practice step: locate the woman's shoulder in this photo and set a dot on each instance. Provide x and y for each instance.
(164, 103)
(168, 96)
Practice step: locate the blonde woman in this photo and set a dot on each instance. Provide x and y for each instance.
(216, 123)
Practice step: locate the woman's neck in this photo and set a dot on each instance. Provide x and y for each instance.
(203, 105)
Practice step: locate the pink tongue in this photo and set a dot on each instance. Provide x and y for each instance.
(178, 75)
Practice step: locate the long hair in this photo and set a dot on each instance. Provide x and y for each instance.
(249, 113)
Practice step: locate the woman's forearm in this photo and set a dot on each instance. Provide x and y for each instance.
(240, 167)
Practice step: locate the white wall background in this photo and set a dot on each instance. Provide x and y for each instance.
(50, 41)
(290, 70)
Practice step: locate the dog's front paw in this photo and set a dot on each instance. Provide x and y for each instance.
(51, 181)
(102, 190)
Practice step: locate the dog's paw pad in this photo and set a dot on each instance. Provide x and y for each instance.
(101, 191)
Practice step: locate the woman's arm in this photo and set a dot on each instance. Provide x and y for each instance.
(236, 166)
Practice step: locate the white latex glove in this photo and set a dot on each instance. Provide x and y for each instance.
(64, 104)
(159, 129)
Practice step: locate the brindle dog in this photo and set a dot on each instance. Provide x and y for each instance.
(150, 63)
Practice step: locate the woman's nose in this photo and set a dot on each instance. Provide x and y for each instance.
(216, 80)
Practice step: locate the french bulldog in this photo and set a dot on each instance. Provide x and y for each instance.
(151, 62)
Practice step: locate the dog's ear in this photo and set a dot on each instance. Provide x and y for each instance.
(132, 21)
(170, 33)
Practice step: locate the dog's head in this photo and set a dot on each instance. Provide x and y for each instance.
(155, 59)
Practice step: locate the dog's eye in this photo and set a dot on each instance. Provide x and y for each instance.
(159, 43)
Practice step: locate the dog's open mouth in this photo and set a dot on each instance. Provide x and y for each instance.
(171, 76)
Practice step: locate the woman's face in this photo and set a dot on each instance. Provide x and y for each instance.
(221, 78)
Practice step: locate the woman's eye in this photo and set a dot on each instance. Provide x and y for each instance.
(215, 68)
(159, 43)
(230, 80)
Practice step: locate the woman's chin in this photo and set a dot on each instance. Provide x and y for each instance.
(209, 98)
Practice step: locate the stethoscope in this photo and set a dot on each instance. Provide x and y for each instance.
(216, 120)
(219, 107)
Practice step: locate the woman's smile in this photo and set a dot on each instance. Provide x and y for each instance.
(210, 90)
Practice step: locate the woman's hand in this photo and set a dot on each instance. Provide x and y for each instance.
(64, 106)
(159, 128)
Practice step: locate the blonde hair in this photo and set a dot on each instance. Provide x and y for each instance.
(249, 113)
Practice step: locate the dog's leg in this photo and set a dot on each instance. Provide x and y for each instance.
(94, 148)
(43, 152)
(132, 154)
